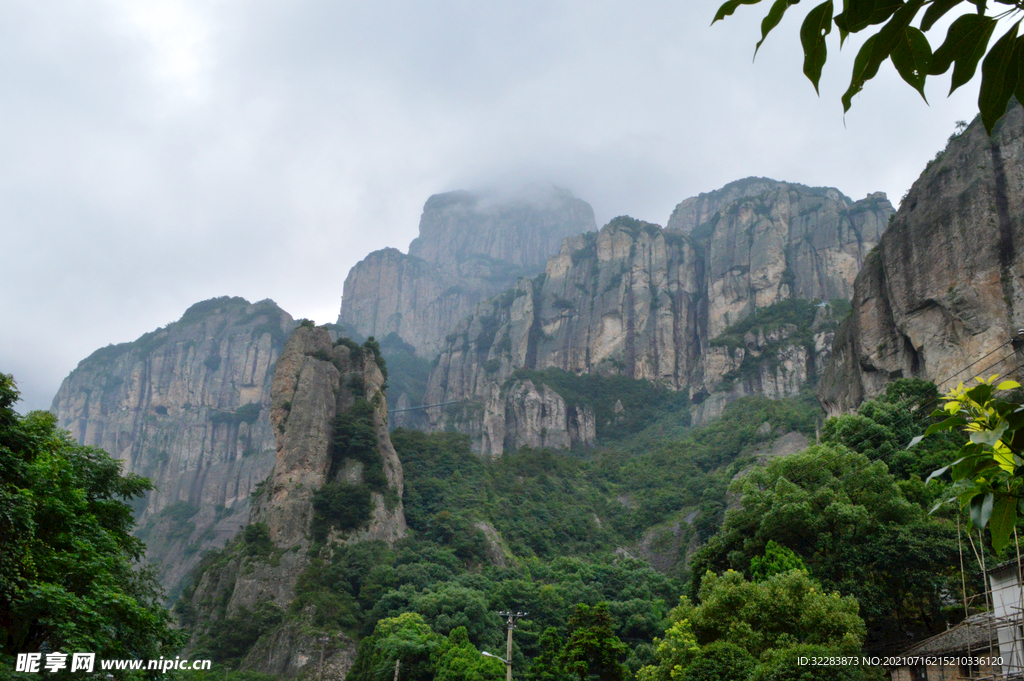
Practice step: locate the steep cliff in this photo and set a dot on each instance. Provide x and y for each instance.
(944, 287)
(187, 405)
(336, 481)
(647, 303)
(470, 246)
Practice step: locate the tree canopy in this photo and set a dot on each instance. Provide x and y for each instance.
(737, 623)
(858, 529)
(68, 575)
(909, 49)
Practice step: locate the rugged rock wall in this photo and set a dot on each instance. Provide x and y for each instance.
(470, 246)
(315, 381)
(645, 302)
(188, 406)
(944, 287)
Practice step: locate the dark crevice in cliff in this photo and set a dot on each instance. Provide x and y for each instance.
(1006, 245)
(912, 356)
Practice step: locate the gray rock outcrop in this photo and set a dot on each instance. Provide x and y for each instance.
(945, 286)
(315, 381)
(470, 246)
(188, 406)
(648, 303)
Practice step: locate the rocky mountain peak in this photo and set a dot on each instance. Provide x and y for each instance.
(646, 303)
(470, 246)
(187, 405)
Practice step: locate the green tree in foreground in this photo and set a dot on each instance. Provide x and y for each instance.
(749, 630)
(858, 529)
(69, 579)
(593, 649)
(407, 638)
(988, 475)
(907, 47)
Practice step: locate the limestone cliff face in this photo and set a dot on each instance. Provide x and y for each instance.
(645, 302)
(316, 380)
(188, 406)
(315, 383)
(788, 241)
(944, 287)
(470, 246)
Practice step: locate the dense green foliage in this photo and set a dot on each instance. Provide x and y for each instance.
(247, 413)
(775, 561)
(883, 428)
(848, 519)
(576, 505)
(423, 655)
(592, 649)
(341, 504)
(408, 373)
(622, 406)
(67, 565)
(737, 623)
(550, 532)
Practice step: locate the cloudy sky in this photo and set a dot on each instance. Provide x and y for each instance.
(154, 154)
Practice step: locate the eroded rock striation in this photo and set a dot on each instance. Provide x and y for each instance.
(336, 480)
(470, 246)
(648, 303)
(944, 288)
(188, 406)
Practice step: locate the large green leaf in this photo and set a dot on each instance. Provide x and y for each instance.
(816, 26)
(861, 72)
(981, 509)
(772, 20)
(948, 424)
(971, 468)
(859, 14)
(912, 57)
(935, 12)
(989, 437)
(877, 49)
(965, 44)
(730, 7)
(982, 392)
(998, 81)
(1004, 517)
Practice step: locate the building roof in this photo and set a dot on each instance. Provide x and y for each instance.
(977, 632)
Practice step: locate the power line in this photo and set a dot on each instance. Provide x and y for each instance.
(425, 406)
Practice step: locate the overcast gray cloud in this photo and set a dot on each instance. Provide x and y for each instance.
(156, 154)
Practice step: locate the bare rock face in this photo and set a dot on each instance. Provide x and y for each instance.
(316, 384)
(945, 287)
(470, 246)
(787, 242)
(648, 303)
(188, 406)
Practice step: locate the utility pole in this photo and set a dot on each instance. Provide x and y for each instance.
(320, 669)
(397, 663)
(512, 618)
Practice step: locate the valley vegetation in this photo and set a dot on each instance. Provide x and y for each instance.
(758, 564)
(760, 559)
